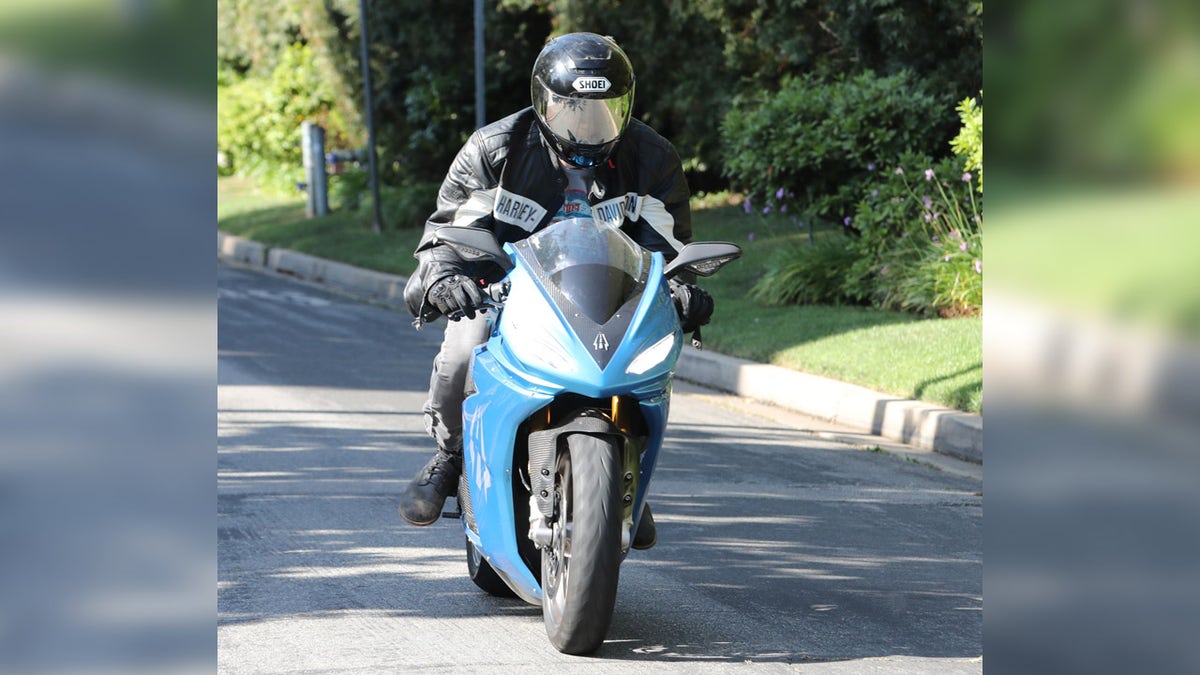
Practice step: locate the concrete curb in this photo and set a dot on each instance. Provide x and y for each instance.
(239, 250)
(388, 288)
(923, 425)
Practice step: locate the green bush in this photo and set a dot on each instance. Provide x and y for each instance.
(258, 119)
(408, 205)
(942, 278)
(348, 190)
(922, 244)
(969, 141)
(919, 247)
(804, 274)
(817, 138)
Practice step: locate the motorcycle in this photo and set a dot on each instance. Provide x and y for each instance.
(565, 414)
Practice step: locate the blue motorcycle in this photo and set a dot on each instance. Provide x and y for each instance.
(566, 414)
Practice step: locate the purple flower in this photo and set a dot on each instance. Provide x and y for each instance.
(928, 174)
(935, 239)
(746, 205)
(847, 220)
(766, 209)
(928, 218)
(750, 236)
(783, 209)
(978, 266)
(967, 177)
(875, 193)
(899, 171)
(962, 246)
(884, 270)
(779, 193)
(871, 166)
(927, 202)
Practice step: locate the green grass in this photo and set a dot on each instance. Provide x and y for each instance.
(279, 220)
(935, 360)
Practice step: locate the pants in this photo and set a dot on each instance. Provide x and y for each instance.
(447, 384)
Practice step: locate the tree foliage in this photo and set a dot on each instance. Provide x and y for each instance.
(422, 66)
(693, 59)
(259, 118)
(818, 139)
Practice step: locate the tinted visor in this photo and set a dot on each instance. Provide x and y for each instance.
(584, 121)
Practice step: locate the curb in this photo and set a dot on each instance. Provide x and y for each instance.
(924, 425)
(950, 432)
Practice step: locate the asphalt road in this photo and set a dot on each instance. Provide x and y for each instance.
(777, 547)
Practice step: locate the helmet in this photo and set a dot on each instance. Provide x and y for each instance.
(582, 91)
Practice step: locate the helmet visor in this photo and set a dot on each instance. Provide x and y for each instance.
(585, 121)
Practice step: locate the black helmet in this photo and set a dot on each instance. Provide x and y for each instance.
(582, 90)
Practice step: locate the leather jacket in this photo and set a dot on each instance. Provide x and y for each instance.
(506, 179)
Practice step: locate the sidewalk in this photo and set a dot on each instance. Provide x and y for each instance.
(915, 423)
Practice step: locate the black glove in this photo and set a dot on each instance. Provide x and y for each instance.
(456, 296)
(694, 305)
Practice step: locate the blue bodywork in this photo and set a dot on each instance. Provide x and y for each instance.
(535, 355)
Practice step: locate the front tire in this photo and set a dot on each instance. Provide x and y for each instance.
(580, 568)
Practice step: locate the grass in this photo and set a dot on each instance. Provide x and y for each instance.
(935, 360)
(279, 220)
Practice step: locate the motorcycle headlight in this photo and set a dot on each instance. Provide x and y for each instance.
(541, 339)
(653, 355)
(544, 350)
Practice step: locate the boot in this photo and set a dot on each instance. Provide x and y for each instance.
(421, 503)
(647, 535)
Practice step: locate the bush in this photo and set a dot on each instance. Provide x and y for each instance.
(818, 138)
(804, 274)
(408, 205)
(258, 119)
(919, 247)
(347, 190)
(968, 144)
(922, 244)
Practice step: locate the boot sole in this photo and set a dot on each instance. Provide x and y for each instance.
(425, 523)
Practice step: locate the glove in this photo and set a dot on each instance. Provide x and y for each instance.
(694, 305)
(455, 296)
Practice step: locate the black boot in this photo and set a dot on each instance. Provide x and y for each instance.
(421, 503)
(647, 535)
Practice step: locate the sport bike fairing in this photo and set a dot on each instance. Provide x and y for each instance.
(585, 303)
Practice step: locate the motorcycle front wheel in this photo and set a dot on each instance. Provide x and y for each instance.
(581, 566)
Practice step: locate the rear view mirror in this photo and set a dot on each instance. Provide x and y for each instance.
(703, 258)
(473, 244)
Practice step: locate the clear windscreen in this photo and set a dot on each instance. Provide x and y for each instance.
(594, 266)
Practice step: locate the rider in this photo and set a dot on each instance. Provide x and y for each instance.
(575, 153)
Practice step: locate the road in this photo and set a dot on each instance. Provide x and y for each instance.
(778, 547)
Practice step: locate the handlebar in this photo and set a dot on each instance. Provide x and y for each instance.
(494, 296)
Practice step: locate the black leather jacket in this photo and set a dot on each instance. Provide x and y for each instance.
(505, 179)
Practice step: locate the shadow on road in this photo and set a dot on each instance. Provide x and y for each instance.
(812, 561)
